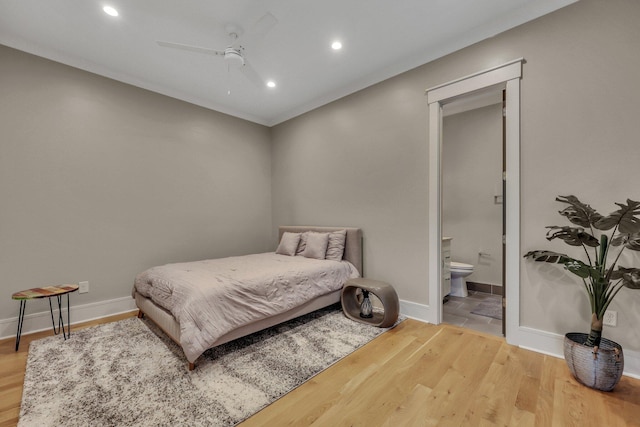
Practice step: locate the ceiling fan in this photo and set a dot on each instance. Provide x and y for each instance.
(234, 54)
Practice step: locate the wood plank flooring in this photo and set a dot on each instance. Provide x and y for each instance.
(417, 375)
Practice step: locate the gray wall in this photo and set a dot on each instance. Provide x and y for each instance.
(471, 177)
(362, 160)
(100, 180)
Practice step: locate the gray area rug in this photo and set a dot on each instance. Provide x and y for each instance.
(489, 308)
(128, 373)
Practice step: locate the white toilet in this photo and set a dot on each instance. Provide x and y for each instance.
(459, 271)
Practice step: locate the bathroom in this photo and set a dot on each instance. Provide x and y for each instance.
(472, 204)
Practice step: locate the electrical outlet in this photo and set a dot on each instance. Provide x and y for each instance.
(83, 287)
(610, 318)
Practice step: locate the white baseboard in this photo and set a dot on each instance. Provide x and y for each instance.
(529, 338)
(41, 321)
(415, 311)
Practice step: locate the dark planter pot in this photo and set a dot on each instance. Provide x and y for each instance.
(601, 370)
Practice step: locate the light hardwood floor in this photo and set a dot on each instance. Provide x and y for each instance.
(418, 375)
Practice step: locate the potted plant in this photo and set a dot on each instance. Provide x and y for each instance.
(593, 360)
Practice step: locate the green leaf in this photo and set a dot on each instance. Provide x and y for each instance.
(630, 241)
(574, 236)
(577, 212)
(581, 269)
(625, 218)
(548, 256)
(575, 266)
(630, 277)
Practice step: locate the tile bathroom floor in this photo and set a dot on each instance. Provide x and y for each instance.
(457, 311)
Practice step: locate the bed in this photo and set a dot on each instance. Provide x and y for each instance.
(207, 303)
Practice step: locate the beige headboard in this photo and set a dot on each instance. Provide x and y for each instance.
(353, 243)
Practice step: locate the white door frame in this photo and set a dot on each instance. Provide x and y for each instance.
(508, 75)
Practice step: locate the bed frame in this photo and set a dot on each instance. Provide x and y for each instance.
(165, 320)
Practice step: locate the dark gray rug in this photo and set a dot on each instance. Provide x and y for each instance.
(489, 308)
(128, 373)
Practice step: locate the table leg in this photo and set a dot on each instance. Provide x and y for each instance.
(60, 317)
(53, 323)
(23, 304)
(68, 317)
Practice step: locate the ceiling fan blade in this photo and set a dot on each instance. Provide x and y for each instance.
(251, 74)
(259, 28)
(190, 48)
(263, 25)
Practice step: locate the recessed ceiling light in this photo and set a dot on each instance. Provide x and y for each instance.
(271, 83)
(110, 11)
(336, 45)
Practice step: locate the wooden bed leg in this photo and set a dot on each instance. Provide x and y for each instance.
(192, 366)
(140, 314)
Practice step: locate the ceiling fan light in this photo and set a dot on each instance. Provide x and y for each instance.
(110, 11)
(233, 56)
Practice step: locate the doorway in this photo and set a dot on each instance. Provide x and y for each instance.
(472, 209)
(509, 75)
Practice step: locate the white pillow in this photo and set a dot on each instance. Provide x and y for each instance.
(303, 243)
(316, 245)
(335, 248)
(288, 243)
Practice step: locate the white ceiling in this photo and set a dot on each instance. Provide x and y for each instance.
(381, 38)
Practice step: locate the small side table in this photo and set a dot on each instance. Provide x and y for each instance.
(382, 290)
(46, 292)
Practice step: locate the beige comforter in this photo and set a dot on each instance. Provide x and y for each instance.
(212, 297)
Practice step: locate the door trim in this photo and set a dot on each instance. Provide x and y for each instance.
(508, 75)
